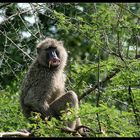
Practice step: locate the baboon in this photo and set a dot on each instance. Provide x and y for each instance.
(43, 88)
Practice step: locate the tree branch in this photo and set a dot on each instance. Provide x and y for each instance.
(16, 45)
(88, 91)
(15, 134)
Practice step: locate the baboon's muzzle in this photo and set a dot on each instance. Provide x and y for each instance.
(54, 61)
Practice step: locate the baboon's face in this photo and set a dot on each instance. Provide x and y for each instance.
(51, 54)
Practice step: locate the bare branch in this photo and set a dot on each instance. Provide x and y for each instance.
(16, 45)
(13, 134)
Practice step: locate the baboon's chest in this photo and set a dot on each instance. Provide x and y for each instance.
(54, 88)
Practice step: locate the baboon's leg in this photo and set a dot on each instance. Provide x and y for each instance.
(61, 104)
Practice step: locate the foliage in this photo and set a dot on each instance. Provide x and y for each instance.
(102, 40)
(11, 117)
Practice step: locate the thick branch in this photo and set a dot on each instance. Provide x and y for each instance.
(117, 70)
(17, 134)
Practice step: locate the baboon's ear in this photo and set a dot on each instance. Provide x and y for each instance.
(38, 50)
(61, 42)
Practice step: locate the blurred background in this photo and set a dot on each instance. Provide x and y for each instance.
(103, 44)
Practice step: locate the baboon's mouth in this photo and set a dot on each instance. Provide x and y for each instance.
(54, 62)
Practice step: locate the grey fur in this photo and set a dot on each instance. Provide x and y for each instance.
(43, 89)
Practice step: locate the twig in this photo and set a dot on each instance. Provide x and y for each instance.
(16, 14)
(27, 27)
(123, 7)
(16, 45)
(37, 24)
